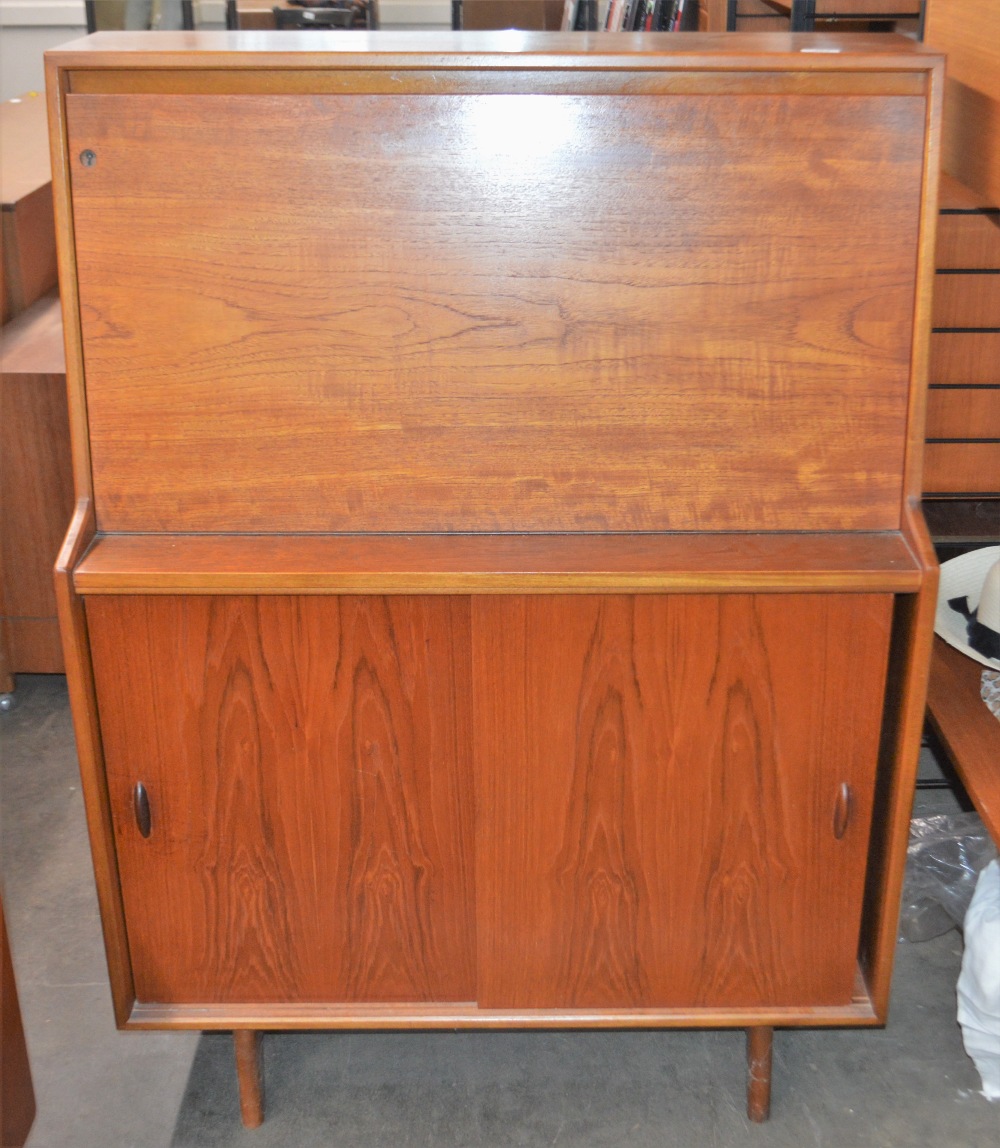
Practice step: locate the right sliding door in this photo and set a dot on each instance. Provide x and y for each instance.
(674, 796)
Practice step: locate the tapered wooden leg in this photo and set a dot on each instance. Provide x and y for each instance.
(250, 1076)
(759, 1044)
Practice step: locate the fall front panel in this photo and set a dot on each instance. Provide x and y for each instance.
(306, 766)
(675, 796)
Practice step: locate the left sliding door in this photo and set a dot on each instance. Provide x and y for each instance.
(291, 790)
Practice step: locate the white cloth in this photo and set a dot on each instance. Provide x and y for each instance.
(979, 980)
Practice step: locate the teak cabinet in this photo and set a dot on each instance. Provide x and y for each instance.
(497, 594)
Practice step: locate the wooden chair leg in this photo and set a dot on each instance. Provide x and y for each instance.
(759, 1045)
(249, 1073)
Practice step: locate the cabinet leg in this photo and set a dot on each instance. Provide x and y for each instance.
(249, 1073)
(759, 1044)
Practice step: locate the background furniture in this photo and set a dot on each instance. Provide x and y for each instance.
(965, 729)
(36, 487)
(539, 15)
(963, 407)
(969, 31)
(812, 15)
(29, 245)
(962, 480)
(135, 15)
(17, 1095)
(267, 14)
(527, 623)
(358, 14)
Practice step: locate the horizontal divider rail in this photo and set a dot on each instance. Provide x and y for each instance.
(511, 563)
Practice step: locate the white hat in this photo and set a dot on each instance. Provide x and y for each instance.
(968, 609)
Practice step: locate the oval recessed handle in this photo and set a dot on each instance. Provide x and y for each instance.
(842, 810)
(140, 803)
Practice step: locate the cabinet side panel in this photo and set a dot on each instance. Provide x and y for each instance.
(497, 312)
(670, 839)
(306, 765)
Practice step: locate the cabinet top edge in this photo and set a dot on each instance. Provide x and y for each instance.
(510, 49)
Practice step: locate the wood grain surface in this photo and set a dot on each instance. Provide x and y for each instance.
(964, 412)
(26, 219)
(667, 838)
(957, 468)
(960, 357)
(971, 300)
(365, 304)
(439, 564)
(967, 729)
(969, 31)
(307, 766)
(36, 483)
(970, 239)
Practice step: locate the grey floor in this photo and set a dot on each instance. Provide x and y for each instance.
(907, 1086)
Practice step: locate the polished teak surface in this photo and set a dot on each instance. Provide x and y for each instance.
(496, 595)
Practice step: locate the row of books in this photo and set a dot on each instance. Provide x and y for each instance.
(625, 15)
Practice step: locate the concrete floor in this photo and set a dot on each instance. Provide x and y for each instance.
(907, 1086)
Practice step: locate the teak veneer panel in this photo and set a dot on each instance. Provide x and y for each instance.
(310, 794)
(367, 302)
(669, 836)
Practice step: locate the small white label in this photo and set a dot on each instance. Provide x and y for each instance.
(824, 51)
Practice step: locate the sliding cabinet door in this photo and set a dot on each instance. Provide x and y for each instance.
(306, 769)
(674, 796)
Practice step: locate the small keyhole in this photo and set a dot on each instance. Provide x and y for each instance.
(88, 158)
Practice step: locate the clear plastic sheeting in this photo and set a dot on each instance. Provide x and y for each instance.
(944, 858)
(979, 981)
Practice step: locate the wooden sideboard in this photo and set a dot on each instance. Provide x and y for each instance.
(497, 594)
(36, 486)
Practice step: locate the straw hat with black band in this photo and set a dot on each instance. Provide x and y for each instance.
(968, 610)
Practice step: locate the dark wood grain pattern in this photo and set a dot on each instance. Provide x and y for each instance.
(381, 365)
(307, 768)
(669, 836)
